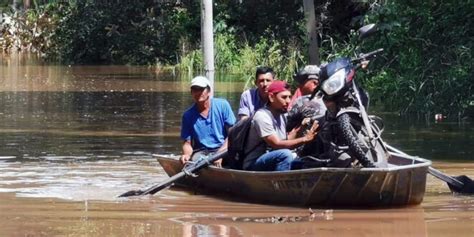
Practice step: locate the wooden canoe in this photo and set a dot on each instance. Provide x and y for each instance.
(402, 183)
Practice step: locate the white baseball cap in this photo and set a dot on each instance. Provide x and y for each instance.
(200, 81)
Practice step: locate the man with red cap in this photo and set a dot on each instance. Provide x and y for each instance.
(268, 146)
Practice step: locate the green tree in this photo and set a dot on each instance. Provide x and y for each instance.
(429, 50)
(104, 32)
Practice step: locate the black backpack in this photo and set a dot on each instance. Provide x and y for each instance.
(236, 142)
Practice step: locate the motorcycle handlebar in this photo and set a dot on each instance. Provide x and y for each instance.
(357, 60)
(367, 56)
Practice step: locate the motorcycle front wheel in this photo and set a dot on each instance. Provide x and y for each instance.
(355, 140)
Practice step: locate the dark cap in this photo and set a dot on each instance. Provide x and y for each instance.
(306, 73)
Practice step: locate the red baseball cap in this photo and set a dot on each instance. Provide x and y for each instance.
(278, 86)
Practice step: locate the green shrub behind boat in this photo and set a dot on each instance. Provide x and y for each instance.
(244, 59)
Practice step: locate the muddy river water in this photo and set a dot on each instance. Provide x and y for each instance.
(73, 138)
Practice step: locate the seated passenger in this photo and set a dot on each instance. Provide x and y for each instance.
(204, 125)
(268, 146)
(253, 99)
(304, 108)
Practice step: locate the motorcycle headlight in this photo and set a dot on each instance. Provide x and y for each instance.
(334, 83)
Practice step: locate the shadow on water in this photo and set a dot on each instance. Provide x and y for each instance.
(409, 222)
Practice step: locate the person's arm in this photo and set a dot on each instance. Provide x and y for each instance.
(294, 117)
(228, 123)
(186, 136)
(243, 116)
(224, 146)
(294, 132)
(244, 107)
(229, 117)
(276, 143)
(187, 152)
(218, 163)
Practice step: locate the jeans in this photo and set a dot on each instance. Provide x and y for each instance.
(277, 160)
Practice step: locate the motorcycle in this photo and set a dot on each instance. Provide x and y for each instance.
(350, 134)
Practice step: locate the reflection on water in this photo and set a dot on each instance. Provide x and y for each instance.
(64, 131)
(70, 123)
(24, 73)
(73, 138)
(447, 140)
(396, 222)
(76, 123)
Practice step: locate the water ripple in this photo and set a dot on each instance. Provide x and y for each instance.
(76, 179)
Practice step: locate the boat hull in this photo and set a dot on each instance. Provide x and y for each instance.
(402, 183)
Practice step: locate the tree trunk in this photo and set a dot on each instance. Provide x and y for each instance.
(16, 5)
(26, 4)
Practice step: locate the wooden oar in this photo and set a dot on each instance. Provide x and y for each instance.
(189, 170)
(459, 184)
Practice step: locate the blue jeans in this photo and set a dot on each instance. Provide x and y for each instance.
(277, 160)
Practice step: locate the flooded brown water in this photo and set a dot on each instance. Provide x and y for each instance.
(73, 138)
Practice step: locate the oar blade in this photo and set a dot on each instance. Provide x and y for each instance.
(191, 169)
(155, 188)
(159, 187)
(457, 184)
(131, 193)
(467, 187)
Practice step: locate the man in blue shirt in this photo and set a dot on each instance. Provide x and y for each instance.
(253, 99)
(204, 125)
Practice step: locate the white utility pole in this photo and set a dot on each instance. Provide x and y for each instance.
(207, 40)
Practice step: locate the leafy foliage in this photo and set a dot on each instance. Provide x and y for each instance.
(109, 32)
(429, 48)
(428, 45)
(30, 31)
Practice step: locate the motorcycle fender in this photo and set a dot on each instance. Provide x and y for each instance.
(352, 110)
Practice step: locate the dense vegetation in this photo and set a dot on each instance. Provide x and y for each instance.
(429, 55)
(427, 66)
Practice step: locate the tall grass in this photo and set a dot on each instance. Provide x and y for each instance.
(243, 58)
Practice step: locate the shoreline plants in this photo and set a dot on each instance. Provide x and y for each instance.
(426, 66)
